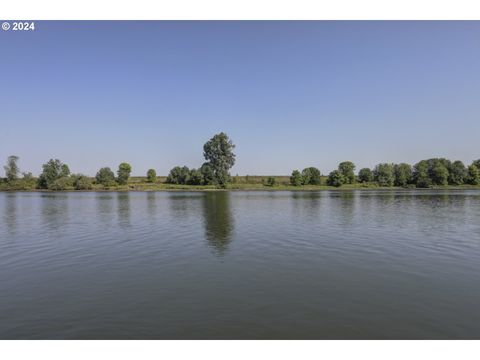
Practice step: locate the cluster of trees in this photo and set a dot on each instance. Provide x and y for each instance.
(425, 173)
(57, 176)
(308, 176)
(219, 156)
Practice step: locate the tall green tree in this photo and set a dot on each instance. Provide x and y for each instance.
(296, 179)
(311, 176)
(52, 171)
(458, 173)
(11, 169)
(476, 163)
(365, 175)
(347, 169)
(105, 176)
(123, 173)
(218, 151)
(336, 178)
(151, 175)
(403, 174)
(383, 174)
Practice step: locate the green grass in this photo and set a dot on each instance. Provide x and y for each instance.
(248, 182)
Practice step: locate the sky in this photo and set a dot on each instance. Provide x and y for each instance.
(289, 94)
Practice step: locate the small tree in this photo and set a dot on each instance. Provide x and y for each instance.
(218, 151)
(271, 181)
(383, 174)
(178, 175)
(123, 173)
(296, 179)
(458, 173)
(420, 175)
(336, 178)
(63, 183)
(105, 176)
(347, 169)
(311, 176)
(365, 175)
(473, 175)
(151, 176)
(195, 177)
(52, 171)
(439, 174)
(403, 174)
(82, 182)
(12, 169)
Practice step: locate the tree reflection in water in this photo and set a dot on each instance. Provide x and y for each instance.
(218, 220)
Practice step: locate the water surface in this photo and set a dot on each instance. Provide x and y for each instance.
(240, 265)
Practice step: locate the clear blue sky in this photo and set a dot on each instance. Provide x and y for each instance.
(289, 94)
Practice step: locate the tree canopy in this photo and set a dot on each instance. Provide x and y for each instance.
(105, 176)
(218, 151)
(151, 175)
(336, 178)
(347, 169)
(123, 173)
(52, 171)
(311, 176)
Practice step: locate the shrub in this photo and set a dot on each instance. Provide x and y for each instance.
(178, 175)
(63, 183)
(271, 181)
(296, 179)
(123, 173)
(105, 176)
(335, 178)
(151, 176)
(195, 177)
(365, 175)
(311, 176)
(82, 182)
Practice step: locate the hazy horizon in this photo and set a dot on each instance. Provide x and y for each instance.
(289, 94)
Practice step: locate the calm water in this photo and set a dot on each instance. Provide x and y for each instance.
(240, 265)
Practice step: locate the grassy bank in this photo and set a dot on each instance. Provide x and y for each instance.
(282, 183)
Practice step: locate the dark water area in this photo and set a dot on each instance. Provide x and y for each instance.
(240, 265)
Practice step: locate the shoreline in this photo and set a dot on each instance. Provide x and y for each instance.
(251, 189)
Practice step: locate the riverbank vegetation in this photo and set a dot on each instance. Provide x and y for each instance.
(214, 174)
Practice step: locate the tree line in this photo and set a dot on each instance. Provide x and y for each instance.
(56, 175)
(219, 156)
(424, 174)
